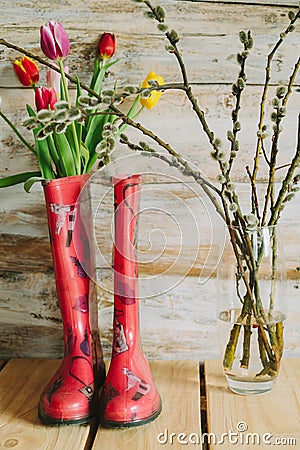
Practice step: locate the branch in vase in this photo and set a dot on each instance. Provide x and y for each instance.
(254, 193)
(273, 158)
(244, 363)
(172, 36)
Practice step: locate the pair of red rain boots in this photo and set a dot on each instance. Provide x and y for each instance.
(80, 389)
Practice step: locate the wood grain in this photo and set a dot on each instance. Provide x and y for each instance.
(21, 384)
(179, 231)
(179, 311)
(177, 318)
(210, 38)
(276, 413)
(179, 387)
(175, 122)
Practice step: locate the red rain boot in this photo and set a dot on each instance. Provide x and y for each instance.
(129, 396)
(72, 394)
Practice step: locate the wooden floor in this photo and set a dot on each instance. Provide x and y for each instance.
(190, 402)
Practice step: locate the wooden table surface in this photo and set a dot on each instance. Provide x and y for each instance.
(193, 399)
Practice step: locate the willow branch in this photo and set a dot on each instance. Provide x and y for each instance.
(264, 94)
(286, 182)
(254, 193)
(274, 151)
(47, 64)
(206, 185)
(291, 82)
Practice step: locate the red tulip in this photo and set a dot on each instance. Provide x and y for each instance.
(27, 71)
(54, 40)
(106, 45)
(45, 98)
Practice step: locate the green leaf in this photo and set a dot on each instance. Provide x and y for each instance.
(78, 126)
(99, 79)
(85, 155)
(95, 73)
(78, 90)
(55, 156)
(69, 136)
(18, 178)
(30, 111)
(109, 64)
(42, 151)
(65, 154)
(92, 160)
(44, 158)
(28, 183)
(94, 134)
(132, 113)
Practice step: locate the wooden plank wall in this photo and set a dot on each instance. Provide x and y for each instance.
(179, 230)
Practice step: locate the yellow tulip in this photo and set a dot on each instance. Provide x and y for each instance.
(151, 101)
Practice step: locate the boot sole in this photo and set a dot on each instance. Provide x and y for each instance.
(47, 420)
(133, 423)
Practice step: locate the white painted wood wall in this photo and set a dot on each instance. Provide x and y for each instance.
(177, 308)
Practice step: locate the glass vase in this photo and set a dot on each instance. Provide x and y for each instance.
(251, 308)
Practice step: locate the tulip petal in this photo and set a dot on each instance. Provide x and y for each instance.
(39, 103)
(31, 68)
(21, 73)
(151, 101)
(52, 98)
(53, 79)
(45, 98)
(48, 43)
(106, 45)
(61, 39)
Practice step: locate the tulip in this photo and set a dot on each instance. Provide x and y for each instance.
(151, 101)
(106, 46)
(27, 71)
(45, 98)
(53, 78)
(54, 40)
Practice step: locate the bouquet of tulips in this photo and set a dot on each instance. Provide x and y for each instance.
(69, 138)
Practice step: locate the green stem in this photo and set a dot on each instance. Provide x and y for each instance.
(262, 350)
(273, 274)
(73, 127)
(246, 343)
(231, 346)
(279, 336)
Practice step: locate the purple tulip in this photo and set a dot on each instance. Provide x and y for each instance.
(54, 40)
